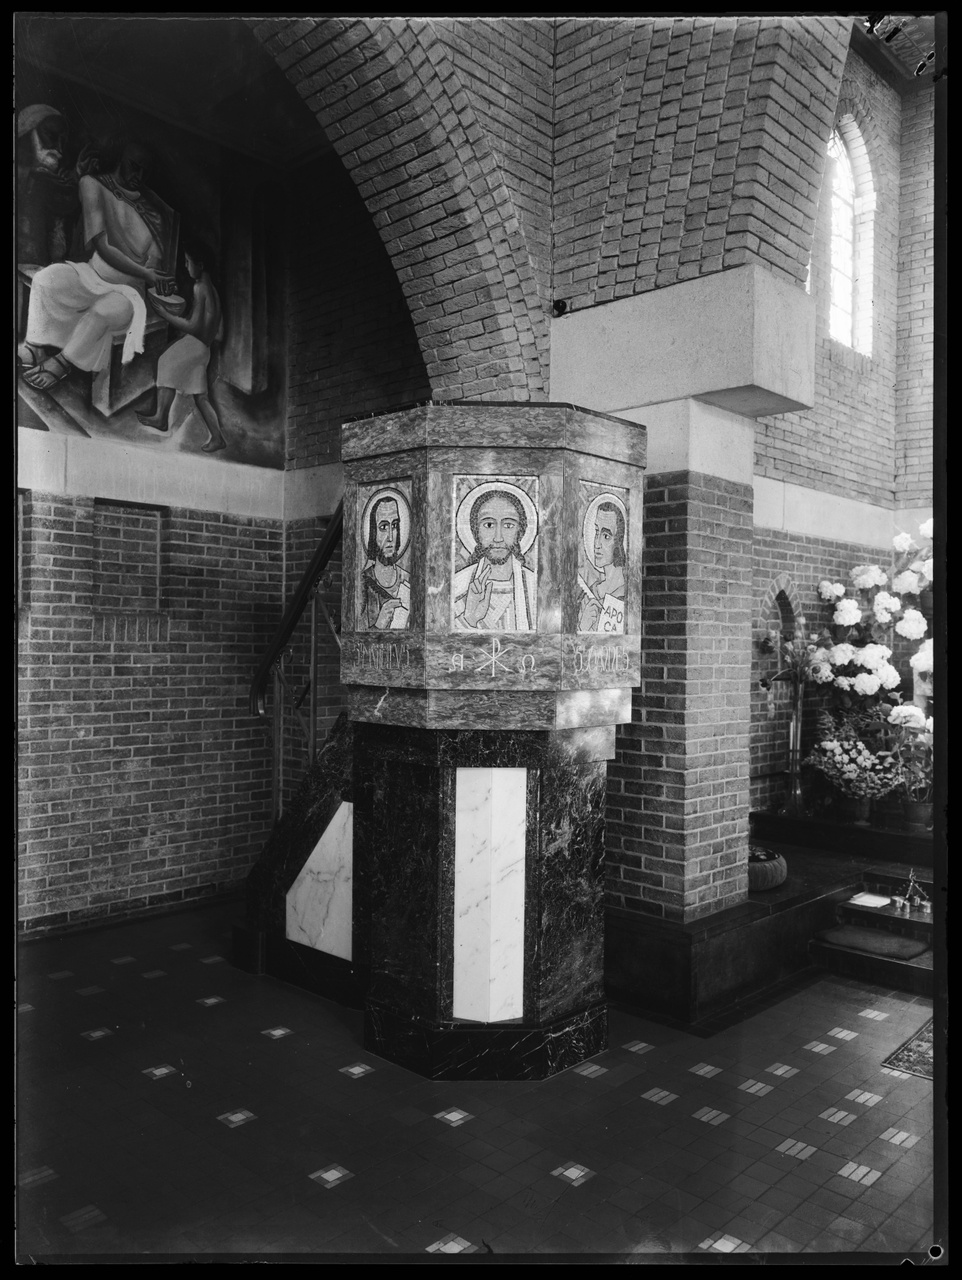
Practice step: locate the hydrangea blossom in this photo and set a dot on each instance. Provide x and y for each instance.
(908, 716)
(902, 542)
(831, 590)
(912, 625)
(871, 656)
(906, 583)
(921, 662)
(866, 684)
(926, 530)
(928, 570)
(889, 676)
(847, 614)
(866, 576)
(884, 606)
(841, 655)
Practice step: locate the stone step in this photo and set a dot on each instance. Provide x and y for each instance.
(888, 919)
(913, 975)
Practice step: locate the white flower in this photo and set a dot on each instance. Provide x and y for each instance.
(902, 542)
(923, 659)
(871, 656)
(888, 676)
(821, 672)
(906, 583)
(930, 725)
(912, 625)
(847, 614)
(844, 683)
(908, 716)
(866, 576)
(928, 570)
(841, 654)
(831, 590)
(925, 530)
(887, 603)
(867, 684)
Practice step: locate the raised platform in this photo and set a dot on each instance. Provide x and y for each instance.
(877, 844)
(688, 974)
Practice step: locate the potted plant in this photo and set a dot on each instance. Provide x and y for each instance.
(911, 741)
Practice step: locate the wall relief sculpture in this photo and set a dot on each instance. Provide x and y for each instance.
(601, 577)
(495, 571)
(384, 552)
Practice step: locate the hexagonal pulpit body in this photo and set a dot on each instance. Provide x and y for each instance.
(490, 641)
(492, 566)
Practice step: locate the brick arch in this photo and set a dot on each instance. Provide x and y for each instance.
(389, 101)
(781, 585)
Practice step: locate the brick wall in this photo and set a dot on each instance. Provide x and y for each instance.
(353, 348)
(390, 102)
(688, 145)
(845, 444)
(677, 818)
(914, 377)
(144, 779)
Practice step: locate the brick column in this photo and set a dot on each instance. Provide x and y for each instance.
(678, 792)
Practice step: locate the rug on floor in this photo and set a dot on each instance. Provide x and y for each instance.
(916, 1055)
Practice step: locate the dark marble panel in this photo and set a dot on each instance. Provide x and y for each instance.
(564, 899)
(475, 748)
(329, 976)
(397, 853)
(327, 782)
(472, 1051)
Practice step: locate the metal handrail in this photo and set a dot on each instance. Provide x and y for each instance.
(295, 610)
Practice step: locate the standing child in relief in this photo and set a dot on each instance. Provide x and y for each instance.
(183, 366)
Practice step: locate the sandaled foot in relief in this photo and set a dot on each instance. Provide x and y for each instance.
(44, 376)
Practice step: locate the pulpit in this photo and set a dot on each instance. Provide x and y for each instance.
(490, 641)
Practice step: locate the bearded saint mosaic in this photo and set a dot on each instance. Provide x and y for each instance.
(495, 583)
(384, 542)
(601, 577)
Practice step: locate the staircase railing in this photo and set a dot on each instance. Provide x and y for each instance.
(309, 595)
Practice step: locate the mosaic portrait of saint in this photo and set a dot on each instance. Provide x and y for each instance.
(495, 587)
(604, 536)
(384, 589)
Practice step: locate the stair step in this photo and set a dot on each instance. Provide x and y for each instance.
(874, 942)
(904, 924)
(913, 976)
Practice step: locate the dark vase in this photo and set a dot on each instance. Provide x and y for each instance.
(863, 808)
(917, 816)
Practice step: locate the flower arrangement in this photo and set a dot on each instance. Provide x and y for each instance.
(911, 736)
(851, 657)
(854, 768)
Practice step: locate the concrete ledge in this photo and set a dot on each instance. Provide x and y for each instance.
(687, 435)
(742, 340)
(793, 508)
(78, 467)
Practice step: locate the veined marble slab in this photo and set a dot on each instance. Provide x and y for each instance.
(489, 839)
(320, 901)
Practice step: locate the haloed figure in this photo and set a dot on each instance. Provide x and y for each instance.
(386, 586)
(183, 366)
(598, 607)
(495, 592)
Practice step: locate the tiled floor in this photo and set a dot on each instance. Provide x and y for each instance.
(172, 1105)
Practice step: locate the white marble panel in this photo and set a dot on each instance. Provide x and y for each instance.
(320, 901)
(490, 825)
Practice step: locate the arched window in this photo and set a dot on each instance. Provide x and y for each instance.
(852, 258)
